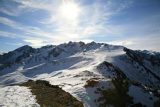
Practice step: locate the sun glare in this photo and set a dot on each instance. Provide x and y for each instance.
(69, 10)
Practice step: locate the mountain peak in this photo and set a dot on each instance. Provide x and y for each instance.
(23, 48)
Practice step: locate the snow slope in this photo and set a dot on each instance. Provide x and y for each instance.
(16, 96)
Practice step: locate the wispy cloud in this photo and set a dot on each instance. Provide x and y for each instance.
(149, 42)
(8, 34)
(16, 44)
(93, 20)
(29, 34)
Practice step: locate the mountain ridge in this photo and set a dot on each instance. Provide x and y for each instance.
(76, 64)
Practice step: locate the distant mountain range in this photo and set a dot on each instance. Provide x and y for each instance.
(97, 74)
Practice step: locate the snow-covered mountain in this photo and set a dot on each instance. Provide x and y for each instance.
(97, 74)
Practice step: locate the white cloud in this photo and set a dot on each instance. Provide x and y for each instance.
(16, 44)
(29, 30)
(122, 42)
(8, 34)
(9, 12)
(150, 42)
(7, 21)
(92, 20)
(35, 42)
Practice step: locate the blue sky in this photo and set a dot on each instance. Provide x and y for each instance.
(132, 23)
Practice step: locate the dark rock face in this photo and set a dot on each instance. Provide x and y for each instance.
(153, 57)
(17, 54)
(48, 95)
(141, 57)
(56, 52)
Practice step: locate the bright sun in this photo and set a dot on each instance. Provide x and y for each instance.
(69, 10)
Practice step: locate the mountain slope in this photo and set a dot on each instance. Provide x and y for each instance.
(87, 71)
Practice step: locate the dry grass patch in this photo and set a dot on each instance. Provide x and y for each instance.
(91, 83)
(48, 95)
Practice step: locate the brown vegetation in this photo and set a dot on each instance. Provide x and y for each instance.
(91, 83)
(48, 95)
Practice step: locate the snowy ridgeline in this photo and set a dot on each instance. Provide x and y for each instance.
(71, 65)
